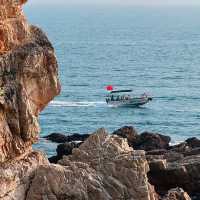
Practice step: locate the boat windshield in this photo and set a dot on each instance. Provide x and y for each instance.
(115, 97)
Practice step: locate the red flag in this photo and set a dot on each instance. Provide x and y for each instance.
(109, 87)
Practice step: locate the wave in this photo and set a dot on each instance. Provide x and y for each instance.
(77, 104)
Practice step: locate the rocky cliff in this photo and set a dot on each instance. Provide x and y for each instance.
(28, 81)
(103, 167)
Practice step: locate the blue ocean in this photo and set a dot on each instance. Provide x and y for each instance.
(148, 49)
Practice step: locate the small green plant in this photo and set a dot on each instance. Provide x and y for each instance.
(2, 92)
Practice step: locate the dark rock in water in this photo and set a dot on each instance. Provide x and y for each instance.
(193, 142)
(128, 132)
(61, 138)
(56, 137)
(195, 151)
(180, 148)
(151, 141)
(64, 149)
(145, 141)
(54, 159)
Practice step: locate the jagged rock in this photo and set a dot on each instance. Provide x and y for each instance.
(128, 132)
(193, 142)
(145, 141)
(64, 149)
(62, 138)
(184, 173)
(103, 167)
(14, 29)
(16, 175)
(177, 194)
(28, 79)
(151, 141)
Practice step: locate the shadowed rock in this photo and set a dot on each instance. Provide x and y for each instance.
(193, 142)
(62, 138)
(177, 194)
(64, 149)
(145, 141)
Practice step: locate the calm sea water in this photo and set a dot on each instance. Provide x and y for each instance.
(153, 50)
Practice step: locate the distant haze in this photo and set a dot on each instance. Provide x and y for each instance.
(119, 2)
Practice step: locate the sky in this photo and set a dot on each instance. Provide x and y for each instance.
(119, 2)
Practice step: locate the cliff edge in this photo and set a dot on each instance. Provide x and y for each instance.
(28, 81)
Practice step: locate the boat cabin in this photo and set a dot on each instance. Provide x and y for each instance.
(118, 95)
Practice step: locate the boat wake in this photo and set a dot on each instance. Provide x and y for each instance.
(77, 104)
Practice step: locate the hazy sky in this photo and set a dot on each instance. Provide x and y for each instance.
(123, 2)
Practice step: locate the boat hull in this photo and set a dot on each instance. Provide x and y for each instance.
(134, 102)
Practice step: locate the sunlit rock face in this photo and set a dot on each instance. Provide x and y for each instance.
(104, 167)
(28, 79)
(14, 29)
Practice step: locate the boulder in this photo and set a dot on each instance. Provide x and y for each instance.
(177, 194)
(193, 142)
(104, 167)
(151, 141)
(64, 149)
(184, 173)
(128, 132)
(145, 141)
(16, 175)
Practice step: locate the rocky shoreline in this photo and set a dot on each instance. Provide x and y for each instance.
(124, 165)
(169, 166)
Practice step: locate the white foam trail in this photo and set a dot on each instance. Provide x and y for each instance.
(77, 104)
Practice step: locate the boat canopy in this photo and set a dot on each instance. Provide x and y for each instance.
(120, 91)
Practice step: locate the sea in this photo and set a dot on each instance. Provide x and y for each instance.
(148, 49)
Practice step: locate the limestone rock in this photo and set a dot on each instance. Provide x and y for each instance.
(104, 167)
(14, 29)
(177, 194)
(28, 79)
(16, 175)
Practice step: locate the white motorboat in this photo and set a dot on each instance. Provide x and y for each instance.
(126, 98)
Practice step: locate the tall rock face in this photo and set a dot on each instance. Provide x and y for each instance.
(13, 26)
(28, 79)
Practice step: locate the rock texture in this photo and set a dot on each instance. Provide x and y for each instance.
(103, 167)
(14, 29)
(16, 175)
(177, 194)
(170, 166)
(28, 81)
(146, 141)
